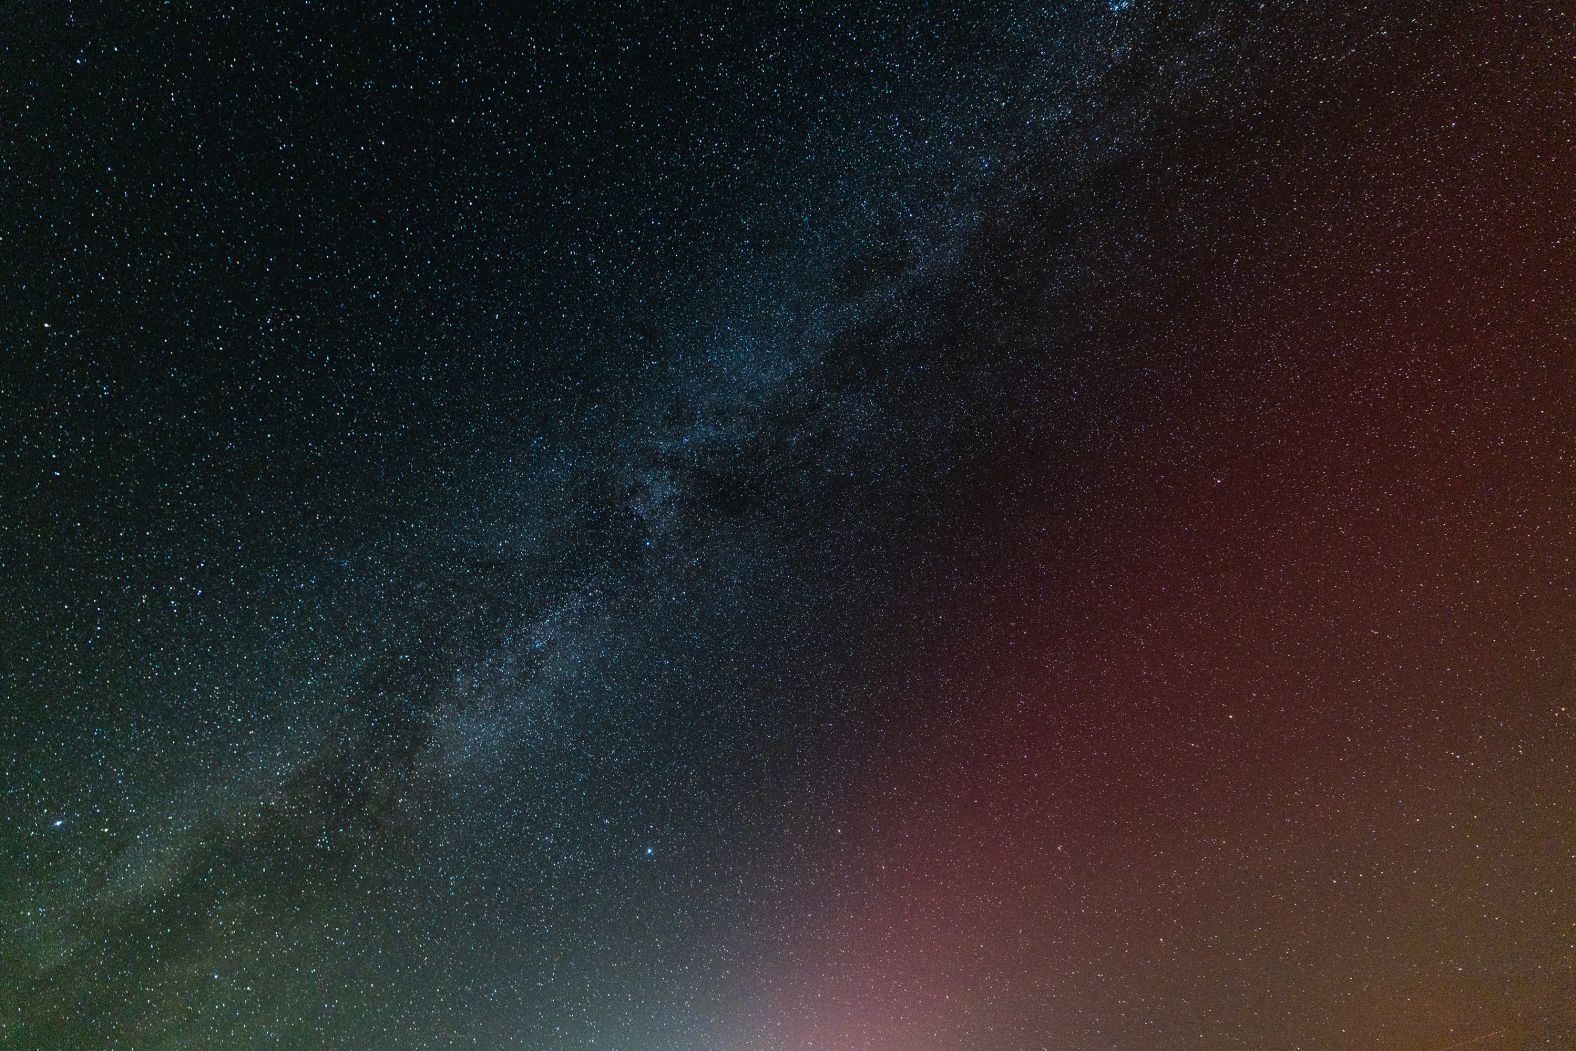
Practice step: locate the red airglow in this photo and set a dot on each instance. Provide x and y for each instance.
(1268, 732)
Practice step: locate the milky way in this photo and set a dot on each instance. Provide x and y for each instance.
(880, 527)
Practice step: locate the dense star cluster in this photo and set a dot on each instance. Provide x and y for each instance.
(801, 527)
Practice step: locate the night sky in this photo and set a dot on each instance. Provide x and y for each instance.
(800, 527)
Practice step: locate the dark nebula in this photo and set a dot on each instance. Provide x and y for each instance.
(871, 527)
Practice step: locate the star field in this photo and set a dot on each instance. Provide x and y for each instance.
(876, 527)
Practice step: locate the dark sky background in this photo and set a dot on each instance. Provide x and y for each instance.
(880, 527)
